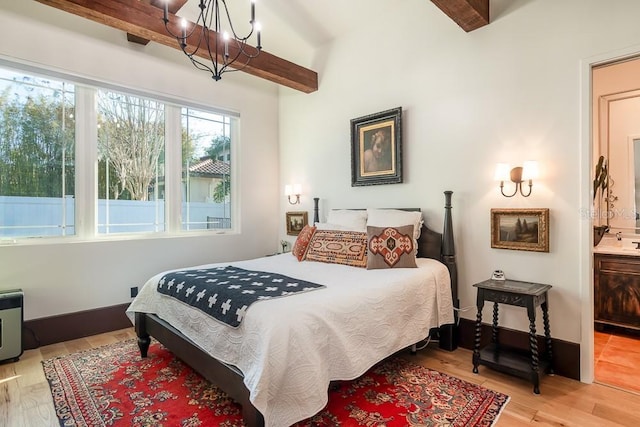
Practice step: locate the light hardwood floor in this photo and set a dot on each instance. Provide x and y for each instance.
(25, 399)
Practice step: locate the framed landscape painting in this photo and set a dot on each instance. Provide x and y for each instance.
(376, 148)
(520, 229)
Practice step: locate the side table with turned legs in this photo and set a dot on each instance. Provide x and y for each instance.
(513, 361)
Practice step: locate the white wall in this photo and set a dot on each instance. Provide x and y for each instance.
(63, 278)
(508, 92)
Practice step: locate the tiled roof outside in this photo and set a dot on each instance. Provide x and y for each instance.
(209, 166)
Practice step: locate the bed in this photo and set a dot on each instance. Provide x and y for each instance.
(278, 363)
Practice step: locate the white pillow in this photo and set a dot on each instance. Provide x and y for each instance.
(351, 220)
(329, 226)
(395, 218)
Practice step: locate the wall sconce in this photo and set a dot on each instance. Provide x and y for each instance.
(293, 190)
(527, 172)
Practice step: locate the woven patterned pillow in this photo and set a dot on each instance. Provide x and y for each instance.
(338, 247)
(390, 247)
(302, 241)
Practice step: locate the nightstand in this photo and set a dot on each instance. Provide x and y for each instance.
(513, 361)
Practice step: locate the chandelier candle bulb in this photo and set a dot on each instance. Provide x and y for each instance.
(258, 29)
(253, 11)
(166, 11)
(225, 36)
(184, 31)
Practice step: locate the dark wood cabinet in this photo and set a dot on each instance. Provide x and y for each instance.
(617, 290)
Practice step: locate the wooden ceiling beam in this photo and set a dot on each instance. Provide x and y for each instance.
(468, 14)
(174, 7)
(144, 20)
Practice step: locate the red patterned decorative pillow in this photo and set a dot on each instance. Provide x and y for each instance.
(338, 247)
(391, 247)
(302, 241)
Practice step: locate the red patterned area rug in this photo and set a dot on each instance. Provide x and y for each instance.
(113, 386)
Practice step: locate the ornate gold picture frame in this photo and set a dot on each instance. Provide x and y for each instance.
(520, 229)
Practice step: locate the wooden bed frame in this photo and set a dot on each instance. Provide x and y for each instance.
(229, 379)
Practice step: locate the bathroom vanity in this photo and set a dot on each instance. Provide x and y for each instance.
(617, 288)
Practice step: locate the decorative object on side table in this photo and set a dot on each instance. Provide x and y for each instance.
(498, 275)
(520, 229)
(376, 148)
(514, 361)
(296, 222)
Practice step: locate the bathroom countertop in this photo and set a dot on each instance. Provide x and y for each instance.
(617, 247)
(616, 251)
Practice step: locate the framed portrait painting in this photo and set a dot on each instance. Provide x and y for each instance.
(376, 148)
(520, 229)
(296, 222)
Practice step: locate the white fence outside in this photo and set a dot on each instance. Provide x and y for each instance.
(49, 216)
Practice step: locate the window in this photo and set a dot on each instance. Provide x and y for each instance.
(130, 163)
(37, 156)
(206, 170)
(128, 138)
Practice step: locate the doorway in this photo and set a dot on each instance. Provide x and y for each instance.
(616, 350)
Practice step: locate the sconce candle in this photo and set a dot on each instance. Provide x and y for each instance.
(517, 175)
(293, 190)
(529, 170)
(502, 172)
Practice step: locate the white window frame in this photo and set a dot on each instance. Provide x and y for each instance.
(86, 166)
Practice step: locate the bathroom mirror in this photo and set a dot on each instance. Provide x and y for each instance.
(620, 144)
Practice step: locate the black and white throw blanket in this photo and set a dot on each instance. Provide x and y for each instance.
(227, 292)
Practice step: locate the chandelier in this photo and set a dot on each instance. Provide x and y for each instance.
(210, 37)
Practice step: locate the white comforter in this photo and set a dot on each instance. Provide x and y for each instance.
(290, 348)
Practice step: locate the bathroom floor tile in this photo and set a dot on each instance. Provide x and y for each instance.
(618, 375)
(617, 359)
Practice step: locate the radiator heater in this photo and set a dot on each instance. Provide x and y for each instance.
(11, 318)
